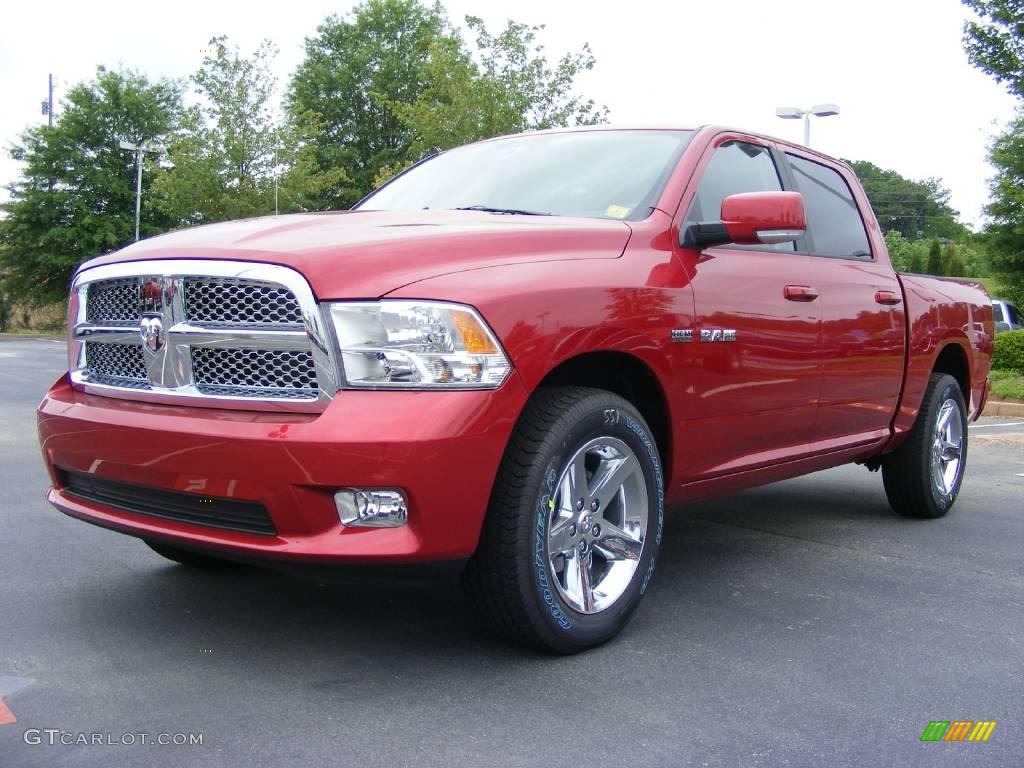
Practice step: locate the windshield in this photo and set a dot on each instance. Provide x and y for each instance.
(594, 174)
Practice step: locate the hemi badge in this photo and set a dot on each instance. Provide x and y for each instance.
(680, 336)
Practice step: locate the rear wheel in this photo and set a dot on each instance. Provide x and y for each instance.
(574, 524)
(922, 477)
(188, 556)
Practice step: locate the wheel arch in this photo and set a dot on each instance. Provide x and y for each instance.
(628, 376)
(952, 359)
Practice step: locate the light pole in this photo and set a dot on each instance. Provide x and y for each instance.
(795, 113)
(138, 149)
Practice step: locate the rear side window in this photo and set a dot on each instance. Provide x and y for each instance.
(835, 224)
(735, 167)
(997, 313)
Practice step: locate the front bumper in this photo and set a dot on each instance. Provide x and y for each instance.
(441, 448)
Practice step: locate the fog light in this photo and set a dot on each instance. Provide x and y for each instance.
(371, 507)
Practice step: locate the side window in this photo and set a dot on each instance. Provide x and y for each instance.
(1015, 316)
(835, 224)
(735, 167)
(997, 313)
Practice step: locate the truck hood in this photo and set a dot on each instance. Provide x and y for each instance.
(366, 254)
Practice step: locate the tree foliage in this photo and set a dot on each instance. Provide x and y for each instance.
(396, 81)
(915, 209)
(354, 68)
(505, 86)
(995, 44)
(228, 149)
(1005, 233)
(91, 207)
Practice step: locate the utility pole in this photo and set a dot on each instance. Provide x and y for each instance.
(138, 148)
(48, 111)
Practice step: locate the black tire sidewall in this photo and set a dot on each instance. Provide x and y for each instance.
(568, 629)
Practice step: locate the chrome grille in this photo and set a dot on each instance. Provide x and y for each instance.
(291, 373)
(120, 365)
(240, 302)
(211, 331)
(113, 301)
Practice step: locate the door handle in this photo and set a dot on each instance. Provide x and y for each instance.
(800, 293)
(888, 297)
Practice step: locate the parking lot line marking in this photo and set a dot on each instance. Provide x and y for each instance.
(990, 426)
(6, 716)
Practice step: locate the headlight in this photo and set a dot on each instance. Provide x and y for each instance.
(417, 344)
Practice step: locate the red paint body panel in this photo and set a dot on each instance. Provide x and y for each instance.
(943, 313)
(365, 254)
(811, 381)
(442, 448)
(748, 213)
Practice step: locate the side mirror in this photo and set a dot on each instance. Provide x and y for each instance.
(751, 218)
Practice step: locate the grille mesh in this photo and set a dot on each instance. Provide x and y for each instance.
(116, 364)
(254, 372)
(113, 301)
(239, 302)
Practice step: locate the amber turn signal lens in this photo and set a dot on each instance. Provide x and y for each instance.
(474, 336)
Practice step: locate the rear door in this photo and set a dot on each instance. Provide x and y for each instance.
(863, 319)
(754, 353)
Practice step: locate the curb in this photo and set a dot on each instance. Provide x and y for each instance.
(996, 408)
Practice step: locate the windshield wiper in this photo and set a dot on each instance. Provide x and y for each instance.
(489, 209)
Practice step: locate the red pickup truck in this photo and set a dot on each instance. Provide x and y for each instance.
(512, 357)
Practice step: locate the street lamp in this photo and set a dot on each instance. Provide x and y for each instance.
(138, 149)
(795, 113)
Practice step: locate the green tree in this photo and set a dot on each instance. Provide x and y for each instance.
(396, 81)
(916, 264)
(995, 44)
(915, 209)
(354, 67)
(953, 262)
(901, 250)
(934, 265)
(505, 86)
(1005, 234)
(75, 198)
(225, 156)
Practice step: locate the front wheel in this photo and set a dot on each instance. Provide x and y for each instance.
(574, 523)
(922, 477)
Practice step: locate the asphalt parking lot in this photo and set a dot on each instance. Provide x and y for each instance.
(799, 624)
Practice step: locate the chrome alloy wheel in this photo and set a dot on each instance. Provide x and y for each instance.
(947, 447)
(597, 523)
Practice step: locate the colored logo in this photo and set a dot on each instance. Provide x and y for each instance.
(958, 730)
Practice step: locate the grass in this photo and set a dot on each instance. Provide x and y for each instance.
(1006, 385)
(991, 285)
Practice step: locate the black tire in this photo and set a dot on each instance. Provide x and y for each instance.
(189, 557)
(908, 474)
(507, 580)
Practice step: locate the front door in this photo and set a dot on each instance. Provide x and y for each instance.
(756, 371)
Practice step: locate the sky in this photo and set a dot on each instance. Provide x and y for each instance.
(909, 100)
